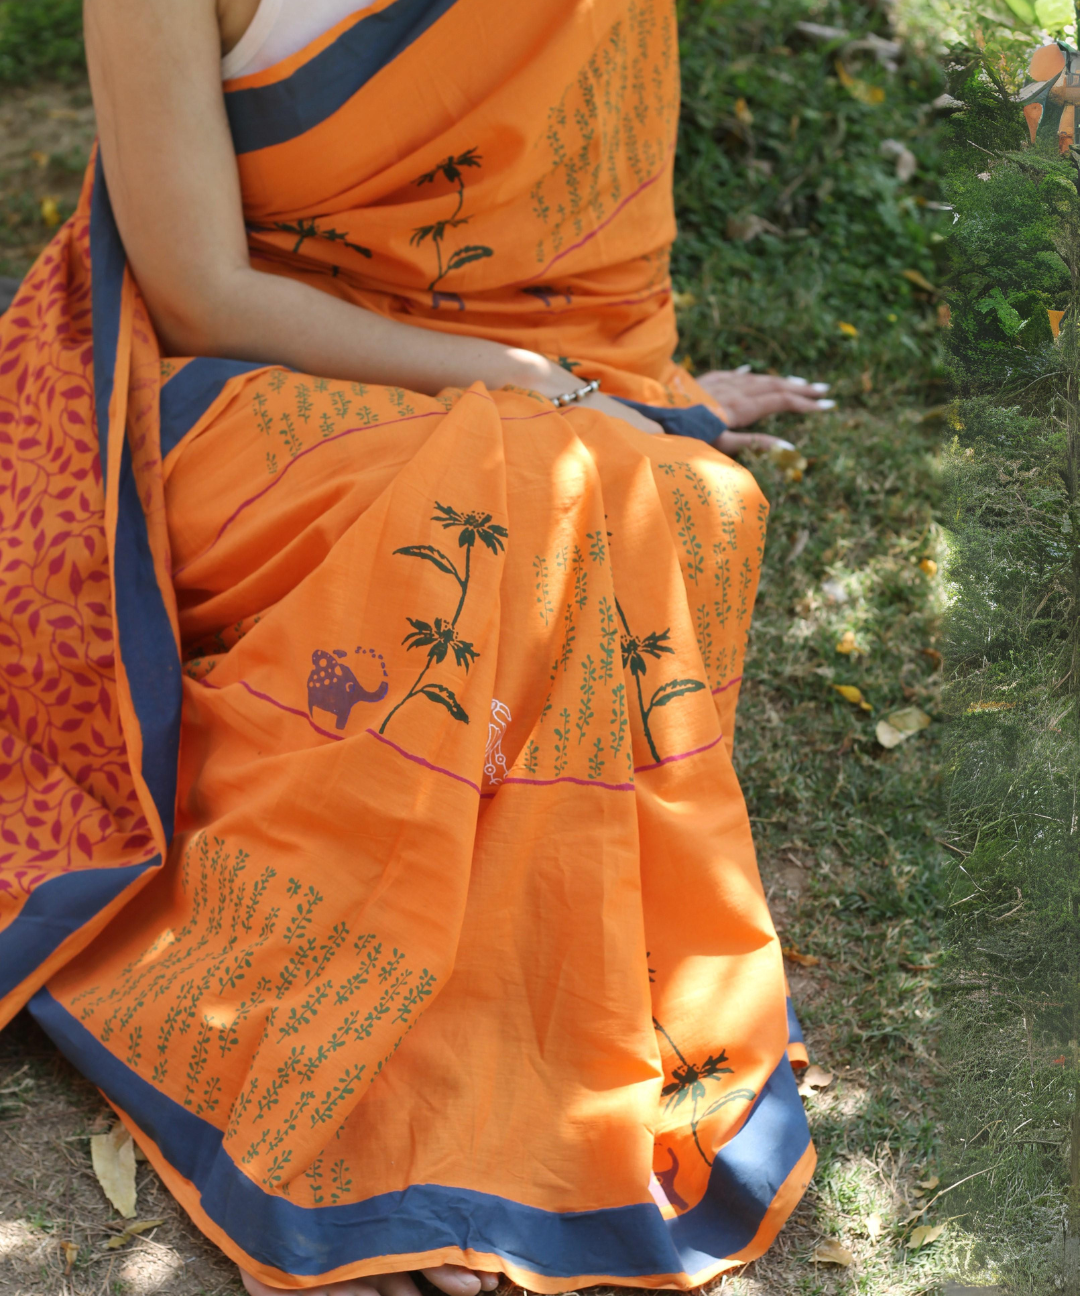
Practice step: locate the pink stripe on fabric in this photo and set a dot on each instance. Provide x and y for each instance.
(419, 760)
(281, 706)
(408, 418)
(729, 684)
(645, 184)
(568, 778)
(669, 760)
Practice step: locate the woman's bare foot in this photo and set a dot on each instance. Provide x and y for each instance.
(454, 1280)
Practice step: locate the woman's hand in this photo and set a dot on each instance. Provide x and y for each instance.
(746, 397)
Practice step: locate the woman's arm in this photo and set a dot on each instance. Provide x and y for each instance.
(173, 180)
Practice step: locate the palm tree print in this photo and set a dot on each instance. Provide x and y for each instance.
(687, 1083)
(634, 652)
(450, 168)
(440, 636)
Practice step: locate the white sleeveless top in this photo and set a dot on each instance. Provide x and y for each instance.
(281, 28)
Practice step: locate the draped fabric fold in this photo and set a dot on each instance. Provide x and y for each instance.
(368, 828)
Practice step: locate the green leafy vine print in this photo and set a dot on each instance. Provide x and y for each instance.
(439, 636)
(634, 652)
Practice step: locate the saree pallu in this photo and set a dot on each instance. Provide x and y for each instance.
(368, 828)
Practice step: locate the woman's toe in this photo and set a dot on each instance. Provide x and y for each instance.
(488, 1281)
(455, 1280)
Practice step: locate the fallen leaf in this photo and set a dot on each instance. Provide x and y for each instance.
(933, 656)
(848, 330)
(71, 1254)
(687, 363)
(866, 379)
(683, 300)
(861, 90)
(62, 114)
(749, 226)
(42, 159)
(743, 113)
(50, 213)
(989, 706)
(873, 1227)
(944, 315)
(113, 1157)
(919, 280)
(930, 1184)
(924, 1235)
(803, 960)
(813, 1079)
(786, 457)
(928, 567)
(831, 1252)
(132, 1230)
(900, 725)
(851, 694)
(793, 475)
(847, 644)
(1055, 321)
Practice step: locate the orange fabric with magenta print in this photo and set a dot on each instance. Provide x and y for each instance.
(372, 836)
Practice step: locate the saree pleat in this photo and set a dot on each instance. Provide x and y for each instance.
(370, 831)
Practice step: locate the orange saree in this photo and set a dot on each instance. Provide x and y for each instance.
(368, 829)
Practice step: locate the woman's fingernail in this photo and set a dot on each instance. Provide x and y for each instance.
(825, 404)
(799, 382)
(742, 369)
(781, 444)
(820, 387)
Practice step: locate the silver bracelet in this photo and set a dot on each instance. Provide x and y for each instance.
(570, 398)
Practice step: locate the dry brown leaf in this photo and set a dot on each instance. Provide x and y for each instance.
(803, 960)
(40, 159)
(132, 1230)
(933, 656)
(924, 1235)
(813, 1079)
(919, 280)
(71, 1254)
(743, 113)
(873, 1227)
(900, 725)
(929, 1184)
(831, 1252)
(113, 1157)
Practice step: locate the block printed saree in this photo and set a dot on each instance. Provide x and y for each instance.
(368, 828)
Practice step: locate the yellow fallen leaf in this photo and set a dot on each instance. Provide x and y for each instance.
(793, 474)
(113, 1157)
(861, 90)
(687, 364)
(683, 300)
(831, 1252)
(743, 113)
(929, 1184)
(851, 694)
(989, 706)
(924, 1235)
(900, 725)
(71, 1254)
(848, 330)
(919, 280)
(846, 645)
(803, 960)
(132, 1230)
(41, 159)
(50, 213)
(873, 1227)
(928, 567)
(813, 1079)
(786, 457)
